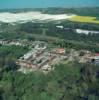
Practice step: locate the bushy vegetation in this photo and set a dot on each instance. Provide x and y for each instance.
(77, 45)
(12, 51)
(69, 81)
(72, 81)
(9, 55)
(49, 32)
(45, 30)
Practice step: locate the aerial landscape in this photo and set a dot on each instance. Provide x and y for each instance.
(49, 50)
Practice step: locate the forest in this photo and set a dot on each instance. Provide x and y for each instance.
(66, 37)
(68, 81)
(71, 81)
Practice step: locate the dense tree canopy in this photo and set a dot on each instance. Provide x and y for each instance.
(72, 81)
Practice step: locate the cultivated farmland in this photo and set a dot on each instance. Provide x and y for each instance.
(85, 19)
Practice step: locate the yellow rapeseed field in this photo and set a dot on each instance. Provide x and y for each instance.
(86, 19)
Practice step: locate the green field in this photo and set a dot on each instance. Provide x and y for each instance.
(85, 19)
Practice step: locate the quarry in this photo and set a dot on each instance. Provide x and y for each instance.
(33, 16)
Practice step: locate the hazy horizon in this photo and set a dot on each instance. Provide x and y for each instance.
(16, 4)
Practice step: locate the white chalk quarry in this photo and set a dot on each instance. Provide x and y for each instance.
(8, 17)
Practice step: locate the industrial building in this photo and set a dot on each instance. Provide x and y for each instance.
(40, 58)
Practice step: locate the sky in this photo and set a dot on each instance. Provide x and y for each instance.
(46, 3)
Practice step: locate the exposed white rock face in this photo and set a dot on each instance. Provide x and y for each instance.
(60, 27)
(86, 31)
(8, 17)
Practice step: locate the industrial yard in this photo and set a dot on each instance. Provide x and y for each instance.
(41, 58)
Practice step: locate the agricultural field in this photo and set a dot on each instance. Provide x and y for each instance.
(86, 19)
